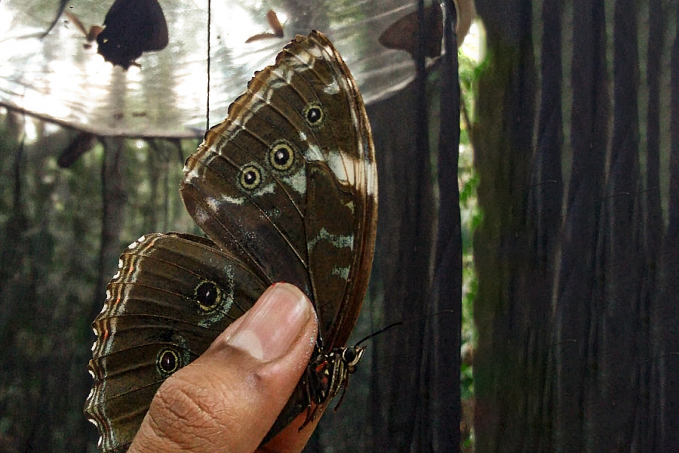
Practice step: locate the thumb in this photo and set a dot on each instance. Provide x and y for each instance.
(227, 400)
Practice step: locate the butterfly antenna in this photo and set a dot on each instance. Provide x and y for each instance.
(402, 323)
(661, 356)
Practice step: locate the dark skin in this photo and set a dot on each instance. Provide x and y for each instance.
(227, 399)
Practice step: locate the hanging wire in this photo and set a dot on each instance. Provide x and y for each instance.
(209, 24)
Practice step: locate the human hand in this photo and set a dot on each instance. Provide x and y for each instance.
(227, 399)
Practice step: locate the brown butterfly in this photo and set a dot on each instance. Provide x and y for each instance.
(275, 25)
(285, 189)
(404, 33)
(90, 35)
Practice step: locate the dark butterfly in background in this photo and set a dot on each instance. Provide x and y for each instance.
(404, 33)
(275, 25)
(286, 190)
(131, 28)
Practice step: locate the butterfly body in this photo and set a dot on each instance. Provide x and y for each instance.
(285, 189)
(332, 372)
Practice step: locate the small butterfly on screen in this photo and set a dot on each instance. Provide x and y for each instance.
(275, 25)
(404, 33)
(131, 28)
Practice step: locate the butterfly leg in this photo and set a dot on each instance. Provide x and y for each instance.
(312, 408)
(345, 384)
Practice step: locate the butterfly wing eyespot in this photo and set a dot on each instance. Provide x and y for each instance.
(281, 156)
(313, 114)
(208, 295)
(250, 177)
(168, 361)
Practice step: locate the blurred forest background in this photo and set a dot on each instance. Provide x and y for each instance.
(569, 194)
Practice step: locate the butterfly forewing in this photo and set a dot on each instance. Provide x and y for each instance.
(173, 294)
(312, 224)
(342, 188)
(246, 199)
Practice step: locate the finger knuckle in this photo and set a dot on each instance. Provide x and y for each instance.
(190, 415)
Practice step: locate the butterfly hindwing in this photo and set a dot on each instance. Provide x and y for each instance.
(173, 294)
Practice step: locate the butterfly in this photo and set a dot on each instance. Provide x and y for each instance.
(275, 25)
(132, 27)
(285, 189)
(404, 34)
(90, 35)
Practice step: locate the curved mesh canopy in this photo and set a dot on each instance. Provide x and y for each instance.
(59, 77)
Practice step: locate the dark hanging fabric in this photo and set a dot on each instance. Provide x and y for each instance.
(420, 417)
(577, 329)
(546, 186)
(647, 422)
(445, 407)
(543, 225)
(667, 315)
(656, 43)
(673, 224)
(401, 276)
(576, 293)
(403, 395)
(613, 340)
(503, 149)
